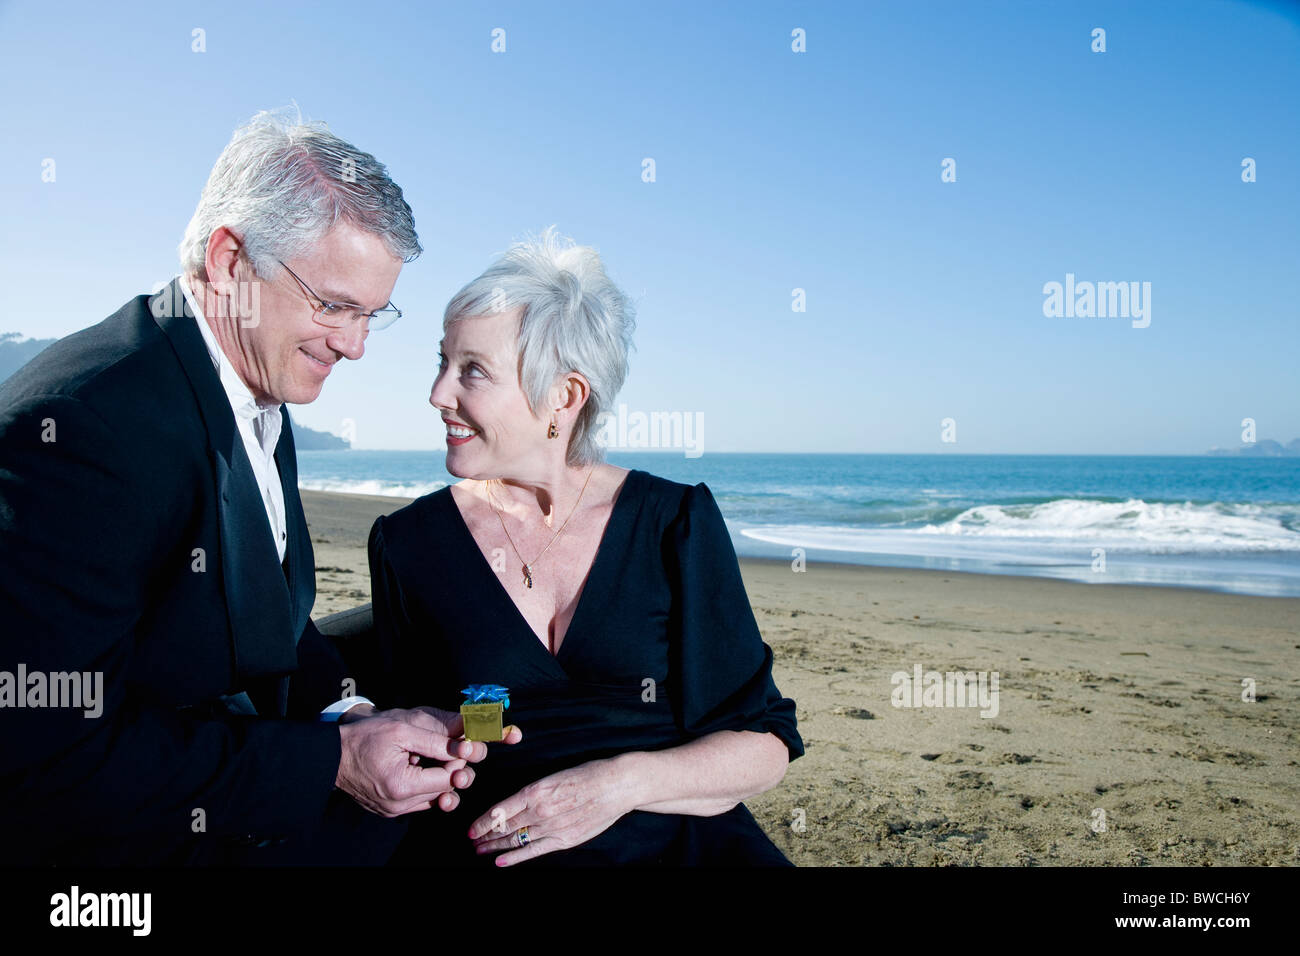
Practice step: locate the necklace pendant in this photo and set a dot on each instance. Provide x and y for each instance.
(528, 575)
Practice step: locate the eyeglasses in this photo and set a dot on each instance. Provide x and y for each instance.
(335, 315)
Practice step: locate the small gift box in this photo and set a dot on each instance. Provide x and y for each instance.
(483, 711)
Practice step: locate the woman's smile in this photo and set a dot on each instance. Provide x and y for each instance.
(458, 434)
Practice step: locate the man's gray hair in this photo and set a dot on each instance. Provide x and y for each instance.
(282, 183)
(574, 319)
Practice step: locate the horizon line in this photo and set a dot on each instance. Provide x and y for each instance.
(933, 454)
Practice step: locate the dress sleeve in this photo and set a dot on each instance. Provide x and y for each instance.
(380, 660)
(722, 667)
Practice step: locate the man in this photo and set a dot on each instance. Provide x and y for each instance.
(168, 699)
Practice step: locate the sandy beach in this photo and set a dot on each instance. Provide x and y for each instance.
(1121, 736)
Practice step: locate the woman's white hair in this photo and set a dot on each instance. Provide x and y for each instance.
(282, 183)
(574, 319)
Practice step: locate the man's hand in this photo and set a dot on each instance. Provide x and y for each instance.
(382, 752)
(359, 712)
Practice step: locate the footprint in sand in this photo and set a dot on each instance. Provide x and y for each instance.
(858, 713)
(1018, 758)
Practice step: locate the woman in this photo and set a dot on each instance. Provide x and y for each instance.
(609, 602)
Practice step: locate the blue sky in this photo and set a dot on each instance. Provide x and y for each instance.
(775, 170)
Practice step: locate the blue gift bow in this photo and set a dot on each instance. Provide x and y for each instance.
(487, 694)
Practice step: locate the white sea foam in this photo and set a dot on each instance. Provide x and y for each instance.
(371, 486)
(1061, 526)
(1157, 526)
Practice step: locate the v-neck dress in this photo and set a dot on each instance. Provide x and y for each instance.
(662, 649)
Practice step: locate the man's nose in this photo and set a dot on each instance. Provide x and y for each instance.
(350, 340)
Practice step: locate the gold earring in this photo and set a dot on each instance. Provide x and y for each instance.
(552, 432)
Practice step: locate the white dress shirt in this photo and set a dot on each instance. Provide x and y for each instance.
(258, 424)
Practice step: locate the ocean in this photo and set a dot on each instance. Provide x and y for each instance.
(1226, 524)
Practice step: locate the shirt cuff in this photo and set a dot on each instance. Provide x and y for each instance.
(340, 707)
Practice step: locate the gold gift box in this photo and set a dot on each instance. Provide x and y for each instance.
(483, 721)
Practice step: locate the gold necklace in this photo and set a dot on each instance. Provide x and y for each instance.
(528, 565)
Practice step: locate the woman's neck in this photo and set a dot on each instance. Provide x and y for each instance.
(539, 495)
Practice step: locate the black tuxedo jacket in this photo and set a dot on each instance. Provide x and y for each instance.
(134, 545)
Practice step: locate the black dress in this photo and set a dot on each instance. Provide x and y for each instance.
(662, 649)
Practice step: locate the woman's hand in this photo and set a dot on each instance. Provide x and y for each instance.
(561, 811)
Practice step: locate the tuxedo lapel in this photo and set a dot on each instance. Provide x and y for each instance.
(261, 616)
(300, 559)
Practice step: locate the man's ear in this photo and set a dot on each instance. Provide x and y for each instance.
(221, 261)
